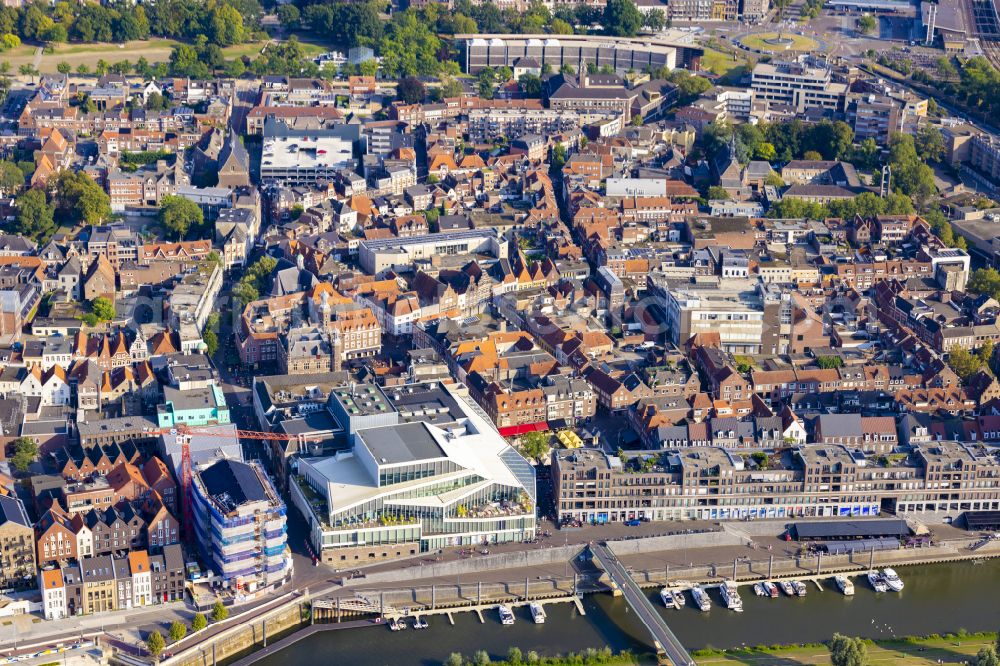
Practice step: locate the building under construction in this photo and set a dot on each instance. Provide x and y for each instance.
(239, 525)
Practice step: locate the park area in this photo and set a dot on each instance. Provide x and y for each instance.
(725, 65)
(153, 50)
(929, 651)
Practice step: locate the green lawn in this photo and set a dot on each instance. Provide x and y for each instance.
(799, 42)
(906, 652)
(721, 64)
(110, 49)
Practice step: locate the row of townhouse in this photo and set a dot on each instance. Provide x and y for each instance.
(106, 583)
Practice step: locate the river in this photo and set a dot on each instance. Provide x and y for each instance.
(936, 599)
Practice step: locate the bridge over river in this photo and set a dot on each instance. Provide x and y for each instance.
(667, 644)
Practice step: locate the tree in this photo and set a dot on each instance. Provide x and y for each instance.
(156, 102)
(622, 18)
(103, 308)
(847, 651)
(811, 155)
(744, 364)
(558, 158)
(25, 451)
(34, 215)
(909, 173)
(185, 61)
(480, 658)
(198, 622)
(985, 353)
(964, 363)
(985, 281)
(930, 144)
(531, 85)
(655, 20)
(179, 214)
(28, 70)
(219, 612)
(11, 177)
(288, 15)
(178, 630)
(64, 67)
(225, 26)
(80, 197)
(211, 340)
(560, 27)
(987, 656)
(514, 655)
(487, 83)
(450, 87)
(535, 444)
(716, 193)
(867, 24)
(410, 90)
(155, 644)
(454, 659)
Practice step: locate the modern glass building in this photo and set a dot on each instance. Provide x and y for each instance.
(415, 487)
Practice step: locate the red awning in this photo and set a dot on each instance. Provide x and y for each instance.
(511, 431)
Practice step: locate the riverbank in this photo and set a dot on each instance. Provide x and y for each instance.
(517, 657)
(936, 598)
(912, 651)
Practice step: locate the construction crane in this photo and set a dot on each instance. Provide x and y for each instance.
(211, 431)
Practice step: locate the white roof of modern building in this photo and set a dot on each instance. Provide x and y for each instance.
(477, 447)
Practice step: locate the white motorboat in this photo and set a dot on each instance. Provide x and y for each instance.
(668, 598)
(731, 596)
(771, 589)
(800, 588)
(892, 580)
(875, 580)
(787, 588)
(845, 585)
(758, 589)
(506, 615)
(393, 625)
(420, 623)
(701, 599)
(537, 612)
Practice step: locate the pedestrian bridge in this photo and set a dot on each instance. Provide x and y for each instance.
(665, 641)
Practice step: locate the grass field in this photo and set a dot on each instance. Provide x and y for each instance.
(907, 652)
(799, 42)
(720, 63)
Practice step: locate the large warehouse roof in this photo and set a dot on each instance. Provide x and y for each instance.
(852, 529)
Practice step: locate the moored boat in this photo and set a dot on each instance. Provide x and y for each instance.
(537, 612)
(506, 615)
(787, 588)
(731, 596)
(701, 599)
(844, 584)
(758, 589)
(892, 580)
(667, 597)
(800, 588)
(875, 580)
